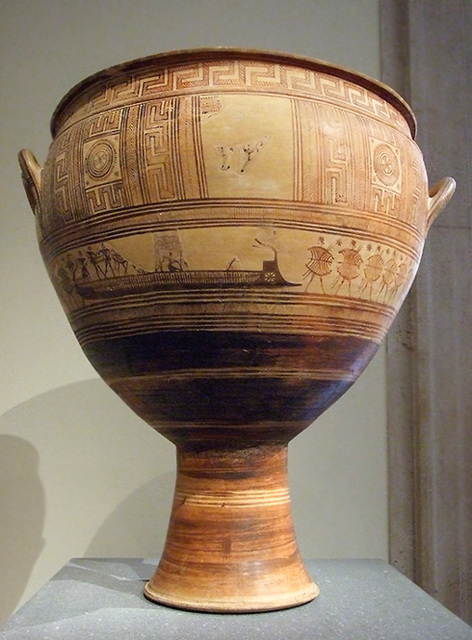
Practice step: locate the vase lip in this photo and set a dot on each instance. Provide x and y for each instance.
(203, 54)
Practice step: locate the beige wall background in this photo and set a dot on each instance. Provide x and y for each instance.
(80, 475)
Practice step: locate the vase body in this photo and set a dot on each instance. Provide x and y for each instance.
(231, 234)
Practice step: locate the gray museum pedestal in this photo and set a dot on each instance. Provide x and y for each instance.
(360, 600)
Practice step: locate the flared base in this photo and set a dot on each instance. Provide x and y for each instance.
(231, 546)
(236, 604)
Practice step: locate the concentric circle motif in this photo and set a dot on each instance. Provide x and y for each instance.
(100, 159)
(386, 165)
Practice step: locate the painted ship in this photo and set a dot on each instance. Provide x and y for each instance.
(104, 273)
(268, 276)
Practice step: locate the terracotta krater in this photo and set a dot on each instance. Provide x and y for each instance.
(231, 234)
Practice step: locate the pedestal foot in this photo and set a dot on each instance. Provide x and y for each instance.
(231, 545)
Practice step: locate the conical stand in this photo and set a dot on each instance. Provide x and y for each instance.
(231, 545)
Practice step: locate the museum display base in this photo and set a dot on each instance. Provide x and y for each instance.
(359, 600)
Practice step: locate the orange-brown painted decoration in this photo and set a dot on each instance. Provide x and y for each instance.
(231, 234)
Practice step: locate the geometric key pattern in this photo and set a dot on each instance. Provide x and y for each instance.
(262, 146)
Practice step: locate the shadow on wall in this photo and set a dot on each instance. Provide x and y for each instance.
(132, 530)
(22, 509)
(80, 475)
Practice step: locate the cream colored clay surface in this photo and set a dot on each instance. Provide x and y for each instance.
(248, 148)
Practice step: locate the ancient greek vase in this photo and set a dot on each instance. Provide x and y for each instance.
(231, 234)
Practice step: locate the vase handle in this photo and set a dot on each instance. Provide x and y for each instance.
(31, 176)
(439, 196)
